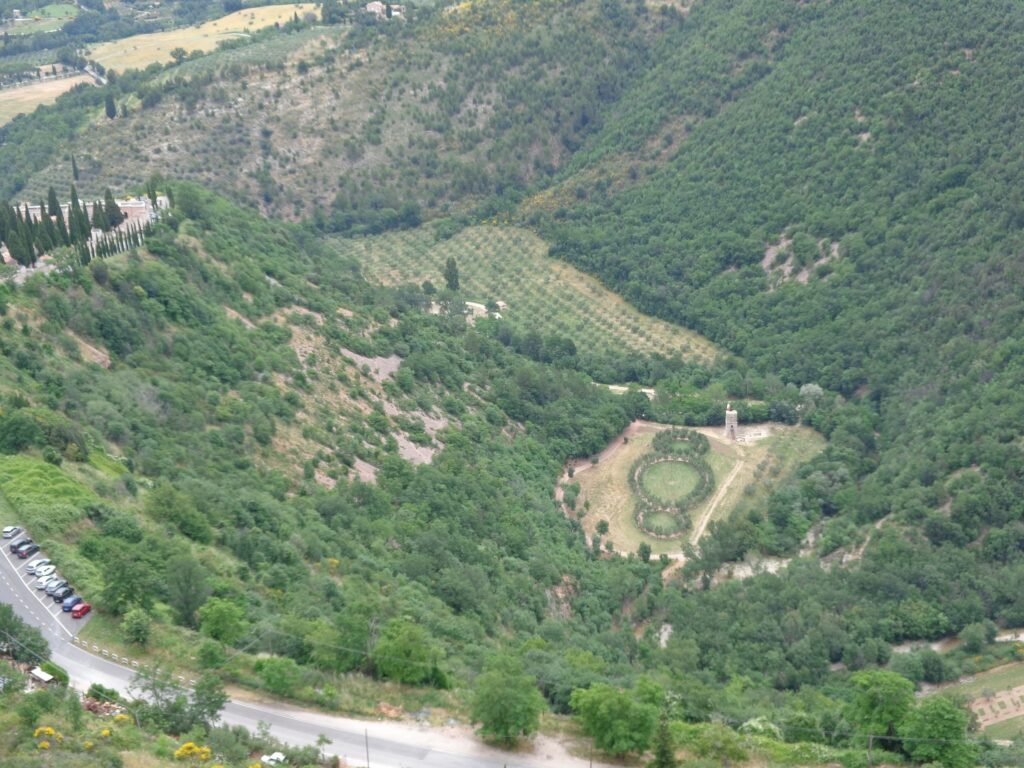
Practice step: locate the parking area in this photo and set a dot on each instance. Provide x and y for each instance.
(17, 588)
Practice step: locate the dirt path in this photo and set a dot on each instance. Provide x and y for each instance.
(702, 523)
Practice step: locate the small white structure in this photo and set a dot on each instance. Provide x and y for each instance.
(277, 758)
(731, 422)
(385, 10)
(39, 675)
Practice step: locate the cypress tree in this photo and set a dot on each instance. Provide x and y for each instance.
(47, 229)
(110, 107)
(664, 749)
(99, 217)
(74, 168)
(62, 229)
(53, 204)
(78, 220)
(115, 216)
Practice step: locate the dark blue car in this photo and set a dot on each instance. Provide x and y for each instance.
(70, 602)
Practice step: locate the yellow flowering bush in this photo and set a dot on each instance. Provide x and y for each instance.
(192, 751)
(48, 735)
(87, 745)
(105, 733)
(121, 718)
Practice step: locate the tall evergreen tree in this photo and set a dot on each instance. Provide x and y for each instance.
(99, 217)
(664, 748)
(110, 106)
(74, 168)
(52, 203)
(78, 223)
(451, 274)
(115, 216)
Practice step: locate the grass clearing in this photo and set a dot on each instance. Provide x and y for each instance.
(139, 51)
(42, 497)
(669, 480)
(1010, 730)
(997, 699)
(745, 473)
(1001, 678)
(49, 18)
(511, 264)
(25, 98)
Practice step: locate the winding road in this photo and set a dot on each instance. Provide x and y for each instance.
(390, 744)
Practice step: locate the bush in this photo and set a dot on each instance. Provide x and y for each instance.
(59, 673)
(135, 626)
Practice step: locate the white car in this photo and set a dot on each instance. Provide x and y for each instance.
(31, 567)
(44, 581)
(11, 531)
(45, 571)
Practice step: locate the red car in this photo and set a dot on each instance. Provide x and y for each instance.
(80, 610)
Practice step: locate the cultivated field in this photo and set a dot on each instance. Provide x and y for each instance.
(49, 18)
(744, 474)
(139, 51)
(997, 698)
(512, 265)
(25, 98)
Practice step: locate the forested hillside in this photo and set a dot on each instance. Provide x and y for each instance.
(828, 192)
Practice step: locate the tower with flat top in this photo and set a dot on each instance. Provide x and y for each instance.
(732, 421)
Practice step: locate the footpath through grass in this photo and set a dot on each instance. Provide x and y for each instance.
(512, 265)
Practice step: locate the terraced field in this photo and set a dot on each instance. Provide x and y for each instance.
(512, 265)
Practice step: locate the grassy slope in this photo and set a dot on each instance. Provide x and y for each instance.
(511, 265)
(139, 51)
(46, 19)
(25, 98)
(468, 109)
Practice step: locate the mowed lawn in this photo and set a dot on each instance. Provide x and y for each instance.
(755, 468)
(139, 51)
(49, 18)
(25, 98)
(511, 264)
(669, 480)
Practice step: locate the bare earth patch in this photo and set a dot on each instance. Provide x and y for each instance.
(381, 368)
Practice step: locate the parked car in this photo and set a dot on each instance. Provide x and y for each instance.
(55, 584)
(71, 602)
(12, 530)
(26, 552)
(31, 567)
(80, 610)
(19, 543)
(42, 581)
(63, 593)
(45, 570)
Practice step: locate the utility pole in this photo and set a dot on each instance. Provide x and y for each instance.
(871, 740)
(366, 734)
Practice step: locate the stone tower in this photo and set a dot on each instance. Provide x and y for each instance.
(731, 422)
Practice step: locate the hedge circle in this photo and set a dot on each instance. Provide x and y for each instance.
(666, 518)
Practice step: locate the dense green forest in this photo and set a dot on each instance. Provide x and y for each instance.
(828, 191)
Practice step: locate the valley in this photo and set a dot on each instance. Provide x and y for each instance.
(413, 399)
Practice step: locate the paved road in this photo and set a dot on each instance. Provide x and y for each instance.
(391, 744)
